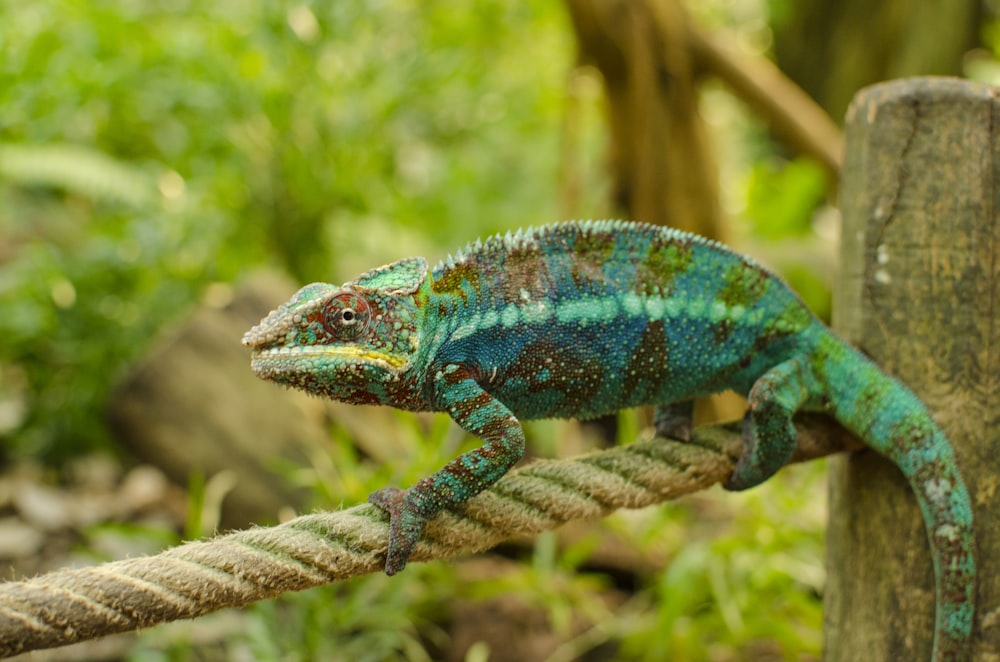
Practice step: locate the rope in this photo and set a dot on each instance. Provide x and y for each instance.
(236, 569)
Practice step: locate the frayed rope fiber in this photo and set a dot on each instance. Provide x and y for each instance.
(236, 569)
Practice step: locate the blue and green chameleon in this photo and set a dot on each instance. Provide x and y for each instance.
(582, 319)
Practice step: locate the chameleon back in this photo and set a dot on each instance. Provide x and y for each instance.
(580, 320)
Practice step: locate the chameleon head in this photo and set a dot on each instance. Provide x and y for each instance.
(351, 343)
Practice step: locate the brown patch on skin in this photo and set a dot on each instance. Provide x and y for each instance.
(470, 405)
(357, 397)
(525, 250)
(583, 386)
(765, 338)
(650, 355)
(525, 270)
(585, 274)
(722, 330)
(592, 250)
(951, 547)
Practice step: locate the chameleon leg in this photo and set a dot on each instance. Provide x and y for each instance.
(768, 432)
(674, 420)
(467, 475)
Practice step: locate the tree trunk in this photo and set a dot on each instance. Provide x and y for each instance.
(661, 160)
(834, 47)
(918, 293)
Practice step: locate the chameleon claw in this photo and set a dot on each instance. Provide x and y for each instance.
(405, 526)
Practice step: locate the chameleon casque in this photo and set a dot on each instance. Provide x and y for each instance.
(581, 319)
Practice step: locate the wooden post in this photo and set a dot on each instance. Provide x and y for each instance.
(920, 293)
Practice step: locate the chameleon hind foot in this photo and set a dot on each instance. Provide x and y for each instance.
(675, 420)
(768, 431)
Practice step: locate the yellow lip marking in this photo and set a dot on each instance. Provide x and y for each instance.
(344, 352)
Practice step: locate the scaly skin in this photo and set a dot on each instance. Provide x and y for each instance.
(583, 319)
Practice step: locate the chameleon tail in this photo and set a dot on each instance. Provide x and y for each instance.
(893, 422)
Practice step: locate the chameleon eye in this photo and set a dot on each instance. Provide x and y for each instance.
(346, 315)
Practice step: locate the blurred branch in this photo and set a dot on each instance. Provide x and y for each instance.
(792, 114)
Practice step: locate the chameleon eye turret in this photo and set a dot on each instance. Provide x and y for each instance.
(346, 316)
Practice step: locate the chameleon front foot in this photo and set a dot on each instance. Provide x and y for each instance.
(405, 526)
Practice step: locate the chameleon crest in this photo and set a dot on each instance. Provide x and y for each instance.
(351, 343)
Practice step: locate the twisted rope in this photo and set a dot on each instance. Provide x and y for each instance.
(236, 569)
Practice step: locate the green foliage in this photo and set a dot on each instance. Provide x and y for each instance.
(742, 573)
(754, 585)
(781, 200)
(150, 149)
(367, 619)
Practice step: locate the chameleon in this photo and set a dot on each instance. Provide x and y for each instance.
(582, 319)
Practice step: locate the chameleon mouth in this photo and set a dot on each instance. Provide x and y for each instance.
(284, 359)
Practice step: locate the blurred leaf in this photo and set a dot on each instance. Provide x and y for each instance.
(781, 199)
(148, 150)
(75, 169)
